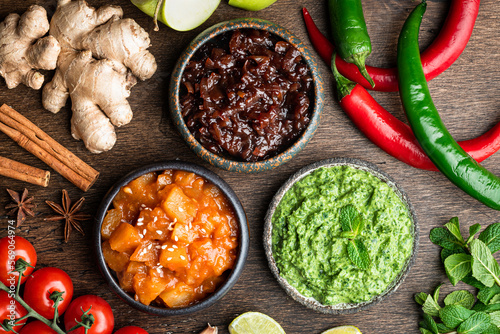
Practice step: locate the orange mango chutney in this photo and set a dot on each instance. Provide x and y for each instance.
(171, 238)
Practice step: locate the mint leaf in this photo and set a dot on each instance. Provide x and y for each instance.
(446, 252)
(472, 232)
(442, 237)
(495, 299)
(460, 297)
(484, 267)
(475, 324)
(457, 266)
(491, 237)
(348, 235)
(480, 307)
(469, 279)
(424, 331)
(420, 298)
(454, 315)
(443, 329)
(454, 227)
(492, 330)
(358, 254)
(430, 307)
(435, 295)
(351, 220)
(484, 295)
(430, 324)
(495, 318)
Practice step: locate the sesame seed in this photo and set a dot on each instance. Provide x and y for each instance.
(174, 246)
(127, 190)
(160, 266)
(169, 259)
(203, 230)
(176, 239)
(142, 236)
(181, 209)
(170, 249)
(157, 246)
(144, 231)
(159, 232)
(123, 221)
(155, 219)
(158, 269)
(143, 205)
(183, 257)
(164, 246)
(150, 246)
(140, 219)
(140, 224)
(175, 220)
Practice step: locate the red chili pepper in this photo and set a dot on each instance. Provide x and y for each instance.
(443, 51)
(395, 137)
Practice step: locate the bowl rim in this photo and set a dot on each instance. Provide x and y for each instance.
(240, 214)
(234, 165)
(342, 308)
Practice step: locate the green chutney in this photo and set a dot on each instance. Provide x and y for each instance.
(306, 235)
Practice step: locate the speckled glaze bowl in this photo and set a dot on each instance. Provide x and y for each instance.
(344, 308)
(223, 162)
(110, 276)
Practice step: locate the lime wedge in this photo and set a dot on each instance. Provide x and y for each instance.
(181, 15)
(343, 330)
(251, 4)
(255, 323)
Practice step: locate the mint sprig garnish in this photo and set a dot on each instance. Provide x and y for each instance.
(352, 223)
(471, 261)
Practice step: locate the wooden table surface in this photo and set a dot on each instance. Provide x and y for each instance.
(466, 95)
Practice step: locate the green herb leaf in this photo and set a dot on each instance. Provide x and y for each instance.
(348, 235)
(457, 266)
(358, 254)
(351, 220)
(484, 266)
(421, 297)
(472, 232)
(469, 279)
(495, 299)
(480, 307)
(485, 295)
(492, 330)
(431, 324)
(454, 315)
(491, 237)
(443, 329)
(495, 318)
(460, 297)
(435, 295)
(430, 307)
(454, 227)
(446, 252)
(424, 331)
(475, 324)
(442, 237)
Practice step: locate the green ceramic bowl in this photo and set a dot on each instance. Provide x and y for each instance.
(224, 162)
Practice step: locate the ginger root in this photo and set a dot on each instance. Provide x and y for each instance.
(99, 78)
(23, 51)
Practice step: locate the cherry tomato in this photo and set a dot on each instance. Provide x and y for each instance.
(131, 330)
(99, 308)
(41, 284)
(11, 249)
(37, 327)
(10, 309)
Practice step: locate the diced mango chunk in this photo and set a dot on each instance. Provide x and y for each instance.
(179, 207)
(116, 261)
(180, 296)
(149, 286)
(125, 238)
(183, 234)
(173, 257)
(148, 251)
(110, 222)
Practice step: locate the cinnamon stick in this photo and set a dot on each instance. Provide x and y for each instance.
(20, 123)
(22, 172)
(23, 141)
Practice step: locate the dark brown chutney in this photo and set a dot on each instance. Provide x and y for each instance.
(246, 93)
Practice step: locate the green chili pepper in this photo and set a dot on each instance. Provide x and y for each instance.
(349, 33)
(429, 130)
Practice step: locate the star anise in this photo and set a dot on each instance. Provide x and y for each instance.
(70, 213)
(21, 204)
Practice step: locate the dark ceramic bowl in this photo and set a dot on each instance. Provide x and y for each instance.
(227, 163)
(344, 308)
(110, 276)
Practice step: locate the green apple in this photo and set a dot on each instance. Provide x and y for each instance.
(251, 4)
(181, 15)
